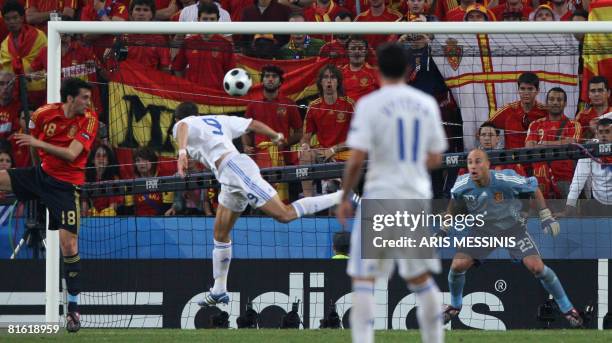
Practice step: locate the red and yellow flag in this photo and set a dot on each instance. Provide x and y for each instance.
(141, 102)
(597, 54)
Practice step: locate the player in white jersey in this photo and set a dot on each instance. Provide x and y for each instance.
(208, 139)
(398, 129)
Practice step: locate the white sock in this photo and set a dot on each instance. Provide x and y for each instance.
(429, 311)
(221, 256)
(311, 205)
(362, 312)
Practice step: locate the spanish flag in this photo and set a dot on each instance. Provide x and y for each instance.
(596, 53)
(16, 55)
(142, 102)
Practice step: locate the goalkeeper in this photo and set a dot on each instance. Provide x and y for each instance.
(496, 195)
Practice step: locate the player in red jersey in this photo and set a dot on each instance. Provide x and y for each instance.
(599, 93)
(329, 118)
(488, 137)
(359, 77)
(515, 117)
(63, 134)
(281, 114)
(554, 177)
(204, 59)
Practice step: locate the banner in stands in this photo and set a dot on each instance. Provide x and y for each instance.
(141, 101)
(597, 57)
(499, 295)
(482, 70)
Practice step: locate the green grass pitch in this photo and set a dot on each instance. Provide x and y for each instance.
(308, 336)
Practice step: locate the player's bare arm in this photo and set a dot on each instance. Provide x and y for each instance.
(352, 172)
(263, 129)
(434, 160)
(69, 153)
(181, 141)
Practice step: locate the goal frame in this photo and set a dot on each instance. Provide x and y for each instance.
(55, 28)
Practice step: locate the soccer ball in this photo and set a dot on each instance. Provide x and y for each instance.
(237, 82)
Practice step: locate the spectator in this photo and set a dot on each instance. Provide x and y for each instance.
(489, 138)
(6, 158)
(515, 117)
(458, 13)
(235, 7)
(149, 51)
(77, 61)
(580, 15)
(165, 9)
(341, 245)
(281, 114)
(555, 177)
(598, 176)
(180, 5)
(38, 12)
(417, 8)
(543, 13)
(103, 10)
(193, 202)
(151, 204)
(599, 93)
(300, 45)
(263, 46)
(204, 59)
(265, 10)
(21, 154)
(191, 13)
(9, 106)
(477, 12)
(562, 9)
(359, 77)
(19, 49)
(336, 49)
(378, 12)
(512, 9)
(329, 118)
(322, 10)
(102, 165)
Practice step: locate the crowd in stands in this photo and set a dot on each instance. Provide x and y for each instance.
(315, 135)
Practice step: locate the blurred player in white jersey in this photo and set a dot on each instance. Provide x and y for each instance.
(208, 139)
(398, 129)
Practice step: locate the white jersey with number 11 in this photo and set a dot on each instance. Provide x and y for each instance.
(397, 126)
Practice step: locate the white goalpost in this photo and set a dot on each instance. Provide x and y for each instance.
(55, 28)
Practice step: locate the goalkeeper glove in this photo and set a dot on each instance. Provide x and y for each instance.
(549, 223)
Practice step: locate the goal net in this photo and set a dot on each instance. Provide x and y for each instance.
(144, 269)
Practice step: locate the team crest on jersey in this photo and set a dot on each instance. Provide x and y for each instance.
(499, 197)
(4, 116)
(340, 117)
(453, 53)
(281, 111)
(214, 53)
(72, 131)
(364, 82)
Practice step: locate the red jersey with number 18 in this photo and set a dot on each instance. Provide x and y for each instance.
(49, 124)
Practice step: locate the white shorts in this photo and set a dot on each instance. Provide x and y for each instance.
(242, 184)
(385, 266)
